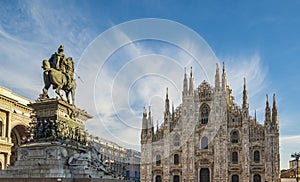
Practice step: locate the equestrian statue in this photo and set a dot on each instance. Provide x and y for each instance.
(59, 72)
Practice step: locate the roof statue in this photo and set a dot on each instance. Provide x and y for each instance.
(59, 72)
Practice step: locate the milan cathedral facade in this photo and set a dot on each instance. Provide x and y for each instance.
(208, 138)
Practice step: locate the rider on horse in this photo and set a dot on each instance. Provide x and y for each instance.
(59, 72)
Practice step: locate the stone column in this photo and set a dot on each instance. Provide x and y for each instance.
(5, 161)
(8, 127)
(8, 158)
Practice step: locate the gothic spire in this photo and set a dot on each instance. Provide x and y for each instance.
(224, 81)
(185, 84)
(149, 117)
(274, 111)
(245, 96)
(274, 101)
(173, 112)
(144, 120)
(267, 110)
(191, 89)
(267, 102)
(217, 77)
(167, 105)
(145, 113)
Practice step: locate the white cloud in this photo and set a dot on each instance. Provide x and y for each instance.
(123, 87)
(136, 74)
(32, 34)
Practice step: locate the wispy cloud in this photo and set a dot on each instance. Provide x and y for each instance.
(251, 68)
(136, 74)
(33, 33)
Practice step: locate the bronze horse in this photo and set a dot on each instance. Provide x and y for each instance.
(58, 80)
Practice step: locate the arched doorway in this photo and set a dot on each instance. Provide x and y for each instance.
(158, 178)
(235, 178)
(17, 134)
(204, 175)
(256, 178)
(176, 178)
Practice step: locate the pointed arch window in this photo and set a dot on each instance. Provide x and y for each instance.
(204, 114)
(234, 157)
(158, 160)
(256, 156)
(234, 137)
(176, 159)
(176, 140)
(204, 143)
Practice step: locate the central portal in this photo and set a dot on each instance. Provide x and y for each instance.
(204, 175)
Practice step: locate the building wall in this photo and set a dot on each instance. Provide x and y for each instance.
(14, 118)
(113, 155)
(133, 165)
(211, 138)
(292, 171)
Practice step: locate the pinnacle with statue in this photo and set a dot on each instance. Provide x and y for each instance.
(59, 72)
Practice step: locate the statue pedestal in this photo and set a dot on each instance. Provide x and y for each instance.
(58, 110)
(57, 147)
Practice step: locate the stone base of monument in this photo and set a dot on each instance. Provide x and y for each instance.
(52, 160)
(57, 145)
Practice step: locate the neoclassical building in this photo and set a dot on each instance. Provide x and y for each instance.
(14, 118)
(209, 138)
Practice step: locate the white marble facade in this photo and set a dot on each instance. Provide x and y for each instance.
(209, 138)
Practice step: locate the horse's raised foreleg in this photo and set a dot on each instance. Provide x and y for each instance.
(46, 87)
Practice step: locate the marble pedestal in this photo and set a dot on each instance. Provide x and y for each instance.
(51, 152)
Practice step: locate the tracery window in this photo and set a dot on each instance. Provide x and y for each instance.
(234, 157)
(176, 140)
(204, 113)
(158, 160)
(176, 159)
(234, 137)
(256, 156)
(204, 143)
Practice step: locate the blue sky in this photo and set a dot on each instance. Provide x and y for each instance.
(256, 39)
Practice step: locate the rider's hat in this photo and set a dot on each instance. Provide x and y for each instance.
(61, 48)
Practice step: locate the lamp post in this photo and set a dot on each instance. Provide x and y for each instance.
(296, 156)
